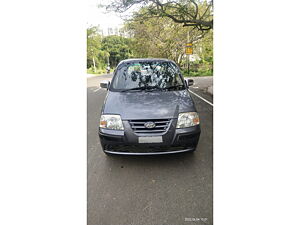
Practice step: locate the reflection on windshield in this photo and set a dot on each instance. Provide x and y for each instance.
(147, 75)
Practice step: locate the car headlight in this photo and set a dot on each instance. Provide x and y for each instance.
(113, 122)
(187, 119)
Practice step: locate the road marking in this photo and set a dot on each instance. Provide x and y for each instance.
(202, 98)
(97, 89)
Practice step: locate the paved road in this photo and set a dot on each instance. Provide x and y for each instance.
(149, 190)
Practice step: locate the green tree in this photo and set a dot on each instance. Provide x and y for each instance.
(93, 47)
(96, 56)
(204, 49)
(117, 47)
(191, 13)
(161, 37)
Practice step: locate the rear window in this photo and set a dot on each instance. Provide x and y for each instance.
(156, 74)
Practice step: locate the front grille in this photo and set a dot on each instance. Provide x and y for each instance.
(161, 125)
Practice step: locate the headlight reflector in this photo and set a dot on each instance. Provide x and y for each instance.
(113, 122)
(187, 119)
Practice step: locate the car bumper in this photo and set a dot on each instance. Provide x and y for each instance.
(126, 142)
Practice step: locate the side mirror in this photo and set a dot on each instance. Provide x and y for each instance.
(104, 84)
(189, 82)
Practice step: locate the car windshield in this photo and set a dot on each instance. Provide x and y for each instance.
(147, 75)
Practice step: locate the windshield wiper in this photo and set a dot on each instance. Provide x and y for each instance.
(144, 88)
(174, 87)
(132, 89)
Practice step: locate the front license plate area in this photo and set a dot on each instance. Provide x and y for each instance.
(153, 139)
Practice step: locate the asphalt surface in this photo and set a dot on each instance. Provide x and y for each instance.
(172, 189)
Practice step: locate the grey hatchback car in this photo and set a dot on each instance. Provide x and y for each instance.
(148, 110)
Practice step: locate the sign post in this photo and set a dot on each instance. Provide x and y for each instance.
(189, 49)
(188, 52)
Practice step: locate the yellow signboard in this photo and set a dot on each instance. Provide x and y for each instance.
(189, 49)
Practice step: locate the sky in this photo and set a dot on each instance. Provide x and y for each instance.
(98, 16)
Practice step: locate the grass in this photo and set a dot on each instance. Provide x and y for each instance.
(97, 72)
(200, 73)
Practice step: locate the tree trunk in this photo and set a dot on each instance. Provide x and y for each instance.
(94, 65)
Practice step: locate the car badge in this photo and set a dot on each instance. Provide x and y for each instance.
(149, 125)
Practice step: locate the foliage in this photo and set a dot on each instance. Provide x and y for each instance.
(191, 13)
(118, 48)
(93, 45)
(157, 38)
(155, 31)
(100, 49)
(94, 51)
(162, 38)
(97, 71)
(204, 48)
(199, 73)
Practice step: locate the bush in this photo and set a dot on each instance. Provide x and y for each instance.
(198, 68)
(98, 71)
(199, 73)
